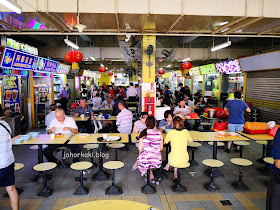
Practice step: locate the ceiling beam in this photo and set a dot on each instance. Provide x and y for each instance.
(60, 21)
(269, 30)
(228, 25)
(10, 26)
(146, 19)
(50, 21)
(175, 23)
(242, 24)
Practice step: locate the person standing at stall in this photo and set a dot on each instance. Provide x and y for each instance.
(63, 99)
(68, 90)
(236, 119)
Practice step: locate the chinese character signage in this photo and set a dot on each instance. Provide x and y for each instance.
(14, 72)
(11, 92)
(208, 69)
(228, 67)
(21, 46)
(194, 71)
(63, 69)
(13, 59)
(46, 65)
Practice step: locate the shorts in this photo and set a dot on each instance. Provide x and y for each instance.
(7, 176)
(235, 127)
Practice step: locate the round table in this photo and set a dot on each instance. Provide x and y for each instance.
(112, 205)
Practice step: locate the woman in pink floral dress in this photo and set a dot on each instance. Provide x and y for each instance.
(150, 145)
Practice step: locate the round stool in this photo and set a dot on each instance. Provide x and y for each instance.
(219, 144)
(212, 163)
(241, 144)
(264, 143)
(178, 187)
(240, 162)
(91, 147)
(206, 125)
(113, 165)
(44, 167)
(269, 160)
(35, 147)
(116, 147)
(81, 166)
(63, 164)
(193, 145)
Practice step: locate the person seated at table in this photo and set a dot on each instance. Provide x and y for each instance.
(63, 125)
(166, 124)
(84, 109)
(93, 91)
(50, 116)
(150, 146)
(179, 139)
(121, 92)
(108, 104)
(96, 101)
(124, 119)
(182, 109)
(111, 92)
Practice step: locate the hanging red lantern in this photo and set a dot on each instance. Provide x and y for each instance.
(161, 71)
(110, 73)
(73, 56)
(102, 69)
(186, 65)
(115, 76)
(156, 76)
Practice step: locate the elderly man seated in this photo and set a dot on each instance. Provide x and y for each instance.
(108, 104)
(64, 125)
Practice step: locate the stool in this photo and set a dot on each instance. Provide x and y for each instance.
(63, 164)
(148, 188)
(193, 145)
(206, 125)
(90, 147)
(178, 187)
(241, 144)
(213, 163)
(116, 147)
(17, 167)
(264, 143)
(268, 160)
(219, 144)
(113, 165)
(43, 167)
(240, 162)
(81, 166)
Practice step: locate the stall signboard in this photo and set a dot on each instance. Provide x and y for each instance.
(228, 67)
(14, 72)
(88, 73)
(77, 82)
(21, 46)
(11, 91)
(194, 71)
(178, 73)
(63, 69)
(46, 65)
(208, 69)
(13, 59)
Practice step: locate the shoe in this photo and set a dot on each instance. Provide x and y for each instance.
(227, 150)
(237, 150)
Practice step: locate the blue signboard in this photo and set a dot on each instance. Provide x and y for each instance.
(13, 59)
(46, 65)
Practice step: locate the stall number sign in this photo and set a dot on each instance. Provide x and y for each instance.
(13, 59)
(63, 69)
(228, 67)
(46, 65)
(194, 71)
(11, 98)
(21, 46)
(208, 69)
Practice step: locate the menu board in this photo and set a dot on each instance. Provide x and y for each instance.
(46, 65)
(11, 91)
(228, 67)
(194, 71)
(13, 59)
(63, 69)
(14, 72)
(208, 69)
(21, 46)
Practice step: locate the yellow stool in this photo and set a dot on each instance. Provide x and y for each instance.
(240, 162)
(116, 147)
(113, 165)
(269, 160)
(91, 147)
(64, 164)
(241, 144)
(212, 163)
(81, 166)
(263, 143)
(178, 187)
(206, 125)
(193, 145)
(44, 167)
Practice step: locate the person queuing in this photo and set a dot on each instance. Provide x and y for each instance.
(131, 93)
(7, 164)
(179, 139)
(236, 119)
(108, 104)
(124, 119)
(63, 99)
(62, 125)
(166, 124)
(150, 146)
(68, 90)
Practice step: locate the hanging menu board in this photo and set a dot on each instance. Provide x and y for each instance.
(63, 69)
(194, 71)
(13, 59)
(11, 91)
(46, 65)
(208, 69)
(228, 67)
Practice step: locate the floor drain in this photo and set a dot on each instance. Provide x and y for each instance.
(226, 203)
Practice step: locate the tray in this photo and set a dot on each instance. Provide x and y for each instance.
(246, 130)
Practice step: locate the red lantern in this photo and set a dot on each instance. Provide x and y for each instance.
(161, 71)
(102, 69)
(110, 73)
(73, 56)
(156, 76)
(186, 65)
(115, 76)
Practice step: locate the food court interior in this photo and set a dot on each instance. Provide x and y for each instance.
(131, 77)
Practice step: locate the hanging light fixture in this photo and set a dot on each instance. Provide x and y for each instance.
(220, 46)
(12, 5)
(71, 44)
(79, 26)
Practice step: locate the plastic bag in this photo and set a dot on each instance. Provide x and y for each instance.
(271, 124)
(220, 125)
(273, 131)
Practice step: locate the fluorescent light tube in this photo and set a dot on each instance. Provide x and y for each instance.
(71, 44)
(186, 59)
(92, 58)
(168, 66)
(12, 5)
(221, 46)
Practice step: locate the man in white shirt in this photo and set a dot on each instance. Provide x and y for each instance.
(131, 93)
(182, 109)
(64, 125)
(124, 119)
(50, 116)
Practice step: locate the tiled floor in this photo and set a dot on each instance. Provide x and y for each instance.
(130, 181)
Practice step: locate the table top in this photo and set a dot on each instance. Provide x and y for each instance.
(80, 118)
(44, 139)
(258, 137)
(101, 109)
(111, 205)
(208, 118)
(210, 136)
(92, 138)
(101, 119)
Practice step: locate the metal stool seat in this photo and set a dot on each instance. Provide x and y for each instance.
(219, 144)
(263, 143)
(178, 187)
(91, 147)
(241, 144)
(193, 145)
(64, 164)
(113, 165)
(116, 147)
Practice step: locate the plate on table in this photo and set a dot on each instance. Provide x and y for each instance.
(83, 135)
(113, 138)
(220, 136)
(58, 135)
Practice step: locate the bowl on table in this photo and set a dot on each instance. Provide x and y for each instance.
(233, 133)
(25, 137)
(18, 141)
(33, 135)
(221, 133)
